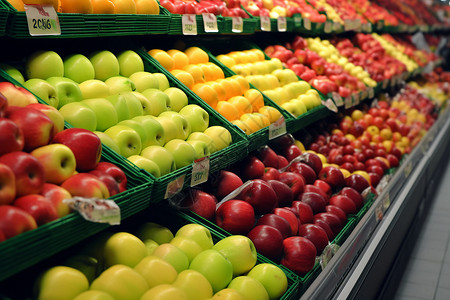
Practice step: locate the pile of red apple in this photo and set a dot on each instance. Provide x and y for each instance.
(277, 8)
(216, 7)
(410, 12)
(346, 10)
(374, 12)
(41, 164)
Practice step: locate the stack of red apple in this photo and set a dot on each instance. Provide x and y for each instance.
(277, 8)
(373, 12)
(346, 11)
(41, 164)
(216, 7)
(287, 202)
(410, 12)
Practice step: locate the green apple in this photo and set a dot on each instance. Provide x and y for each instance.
(151, 246)
(155, 131)
(105, 64)
(94, 295)
(78, 68)
(227, 294)
(297, 88)
(249, 287)
(94, 88)
(126, 138)
(44, 90)
(272, 278)
(145, 164)
(173, 256)
(88, 265)
(220, 135)
(178, 98)
(163, 82)
(184, 128)
(144, 80)
(129, 63)
(171, 130)
(274, 64)
(43, 64)
(139, 127)
(124, 248)
(134, 104)
(188, 246)
(69, 282)
(156, 270)
(194, 284)
(200, 136)
(159, 101)
(120, 105)
(154, 231)
(293, 108)
(79, 115)
(197, 117)
(145, 103)
(105, 112)
(240, 251)
(183, 153)
(301, 106)
(198, 233)
(165, 292)
(285, 76)
(162, 157)
(14, 72)
(108, 141)
(201, 148)
(215, 267)
(121, 282)
(118, 84)
(308, 100)
(67, 90)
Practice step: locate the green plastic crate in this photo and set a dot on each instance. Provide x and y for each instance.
(249, 26)
(176, 27)
(4, 14)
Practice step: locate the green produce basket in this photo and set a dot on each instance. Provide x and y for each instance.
(94, 25)
(4, 14)
(176, 24)
(275, 25)
(249, 26)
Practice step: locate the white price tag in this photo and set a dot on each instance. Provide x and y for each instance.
(282, 24)
(348, 25)
(337, 99)
(210, 22)
(307, 23)
(408, 169)
(336, 26)
(364, 94)
(371, 92)
(348, 102)
(174, 187)
(330, 105)
(386, 202)
(356, 98)
(277, 128)
(327, 254)
(95, 209)
(237, 24)
(328, 27)
(265, 23)
(189, 24)
(297, 20)
(385, 84)
(379, 212)
(200, 171)
(42, 20)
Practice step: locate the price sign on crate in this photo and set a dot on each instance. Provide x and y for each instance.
(282, 24)
(210, 22)
(174, 187)
(189, 24)
(307, 23)
(265, 23)
(42, 20)
(237, 24)
(277, 128)
(200, 171)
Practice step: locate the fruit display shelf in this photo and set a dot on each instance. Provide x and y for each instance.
(4, 14)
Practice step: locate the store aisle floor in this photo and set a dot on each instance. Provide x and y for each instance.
(427, 275)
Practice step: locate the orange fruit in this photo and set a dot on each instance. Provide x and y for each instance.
(243, 126)
(196, 72)
(226, 60)
(206, 93)
(163, 58)
(180, 59)
(196, 55)
(259, 53)
(242, 81)
(228, 110)
(242, 104)
(184, 77)
(221, 93)
(253, 121)
(208, 72)
(271, 112)
(124, 7)
(251, 56)
(232, 88)
(76, 6)
(102, 7)
(147, 7)
(255, 97)
(17, 4)
(54, 3)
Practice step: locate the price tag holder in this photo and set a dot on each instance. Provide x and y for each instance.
(327, 254)
(277, 128)
(364, 94)
(356, 98)
(379, 212)
(330, 105)
(210, 22)
(189, 24)
(385, 84)
(386, 202)
(174, 187)
(297, 20)
(265, 23)
(328, 27)
(237, 24)
(282, 24)
(371, 92)
(42, 20)
(337, 99)
(348, 102)
(307, 23)
(95, 209)
(200, 171)
(380, 25)
(408, 169)
(336, 26)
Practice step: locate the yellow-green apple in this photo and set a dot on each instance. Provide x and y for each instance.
(67, 90)
(159, 101)
(201, 203)
(14, 72)
(86, 185)
(126, 138)
(163, 82)
(85, 145)
(105, 64)
(91, 294)
(7, 186)
(28, 172)
(39, 207)
(14, 221)
(79, 115)
(120, 105)
(184, 128)
(135, 107)
(285, 76)
(165, 292)
(58, 161)
(173, 255)
(249, 287)
(299, 254)
(220, 135)
(105, 112)
(70, 282)
(156, 270)
(118, 84)
(78, 68)
(107, 141)
(236, 216)
(151, 246)
(171, 130)
(43, 64)
(200, 147)
(188, 246)
(125, 249)
(93, 88)
(215, 267)
(240, 251)
(162, 157)
(198, 233)
(53, 114)
(139, 128)
(145, 164)
(177, 97)
(154, 129)
(56, 194)
(227, 294)
(44, 90)
(144, 80)
(12, 95)
(12, 137)
(121, 282)
(182, 152)
(129, 63)
(115, 171)
(145, 103)
(108, 180)
(194, 284)
(271, 277)
(197, 117)
(154, 231)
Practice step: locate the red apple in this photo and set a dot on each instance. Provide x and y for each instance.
(375, 169)
(268, 157)
(374, 178)
(201, 203)
(291, 152)
(39, 207)
(312, 160)
(305, 170)
(86, 185)
(357, 181)
(276, 221)
(315, 200)
(7, 185)
(109, 181)
(56, 194)
(315, 189)
(326, 227)
(270, 174)
(333, 209)
(252, 168)
(115, 172)
(3, 105)
(333, 176)
(299, 254)
(325, 187)
(345, 203)
(260, 195)
(279, 144)
(354, 195)
(315, 234)
(285, 196)
(334, 221)
(235, 216)
(304, 211)
(12, 138)
(268, 241)
(290, 216)
(54, 115)
(282, 161)
(295, 181)
(393, 160)
(14, 221)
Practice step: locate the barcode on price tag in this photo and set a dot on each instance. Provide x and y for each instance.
(200, 171)
(282, 24)
(265, 23)
(189, 24)
(210, 22)
(307, 23)
(277, 128)
(42, 20)
(237, 24)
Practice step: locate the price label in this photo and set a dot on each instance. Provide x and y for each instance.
(393, 81)
(408, 169)
(348, 102)
(307, 23)
(337, 99)
(380, 25)
(174, 187)
(327, 254)
(189, 24)
(282, 24)
(328, 27)
(42, 20)
(336, 26)
(210, 22)
(330, 105)
(386, 202)
(297, 20)
(379, 212)
(364, 94)
(237, 24)
(95, 209)
(265, 23)
(200, 171)
(371, 92)
(385, 84)
(356, 98)
(277, 128)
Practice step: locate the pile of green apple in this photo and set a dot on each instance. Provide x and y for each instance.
(134, 112)
(155, 263)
